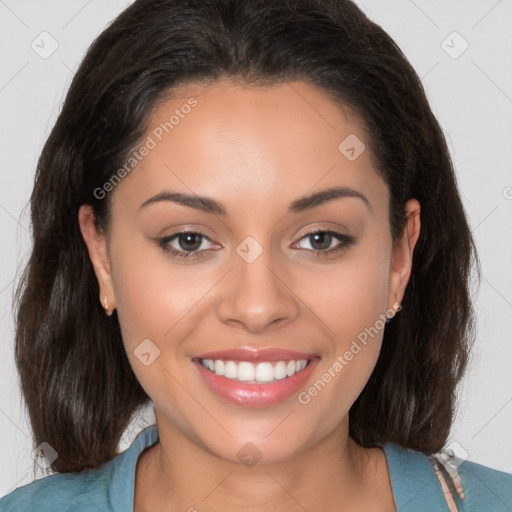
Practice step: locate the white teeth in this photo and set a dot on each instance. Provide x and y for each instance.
(219, 367)
(230, 370)
(245, 371)
(264, 372)
(280, 370)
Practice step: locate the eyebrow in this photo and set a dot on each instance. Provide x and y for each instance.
(304, 203)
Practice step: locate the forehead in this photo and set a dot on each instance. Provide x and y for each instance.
(226, 140)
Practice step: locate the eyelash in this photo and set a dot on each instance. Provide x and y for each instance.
(345, 241)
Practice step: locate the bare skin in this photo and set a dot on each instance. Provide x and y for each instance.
(255, 151)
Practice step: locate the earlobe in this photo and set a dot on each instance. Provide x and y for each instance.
(402, 258)
(97, 248)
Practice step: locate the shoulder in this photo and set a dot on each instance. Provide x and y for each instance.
(471, 486)
(57, 493)
(107, 488)
(483, 486)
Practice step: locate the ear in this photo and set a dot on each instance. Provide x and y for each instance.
(401, 264)
(98, 253)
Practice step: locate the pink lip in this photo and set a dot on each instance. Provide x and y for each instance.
(255, 395)
(255, 355)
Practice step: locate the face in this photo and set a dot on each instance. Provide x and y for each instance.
(255, 278)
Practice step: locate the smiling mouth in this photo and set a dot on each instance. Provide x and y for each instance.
(264, 372)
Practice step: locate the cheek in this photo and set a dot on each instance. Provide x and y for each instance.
(354, 314)
(349, 297)
(351, 301)
(155, 301)
(153, 293)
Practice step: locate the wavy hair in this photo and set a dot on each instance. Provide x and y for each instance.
(79, 388)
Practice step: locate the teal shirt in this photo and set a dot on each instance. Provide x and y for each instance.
(110, 488)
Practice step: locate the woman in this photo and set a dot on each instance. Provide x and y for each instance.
(247, 215)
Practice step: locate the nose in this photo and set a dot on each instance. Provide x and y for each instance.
(257, 294)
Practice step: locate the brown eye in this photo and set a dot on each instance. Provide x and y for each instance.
(189, 241)
(323, 242)
(187, 244)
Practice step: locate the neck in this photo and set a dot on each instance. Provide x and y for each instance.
(335, 473)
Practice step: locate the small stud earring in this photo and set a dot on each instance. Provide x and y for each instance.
(396, 308)
(107, 311)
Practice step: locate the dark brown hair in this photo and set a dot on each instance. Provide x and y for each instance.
(79, 388)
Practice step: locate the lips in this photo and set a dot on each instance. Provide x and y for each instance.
(255, 377)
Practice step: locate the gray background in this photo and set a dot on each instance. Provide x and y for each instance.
(470, 94)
